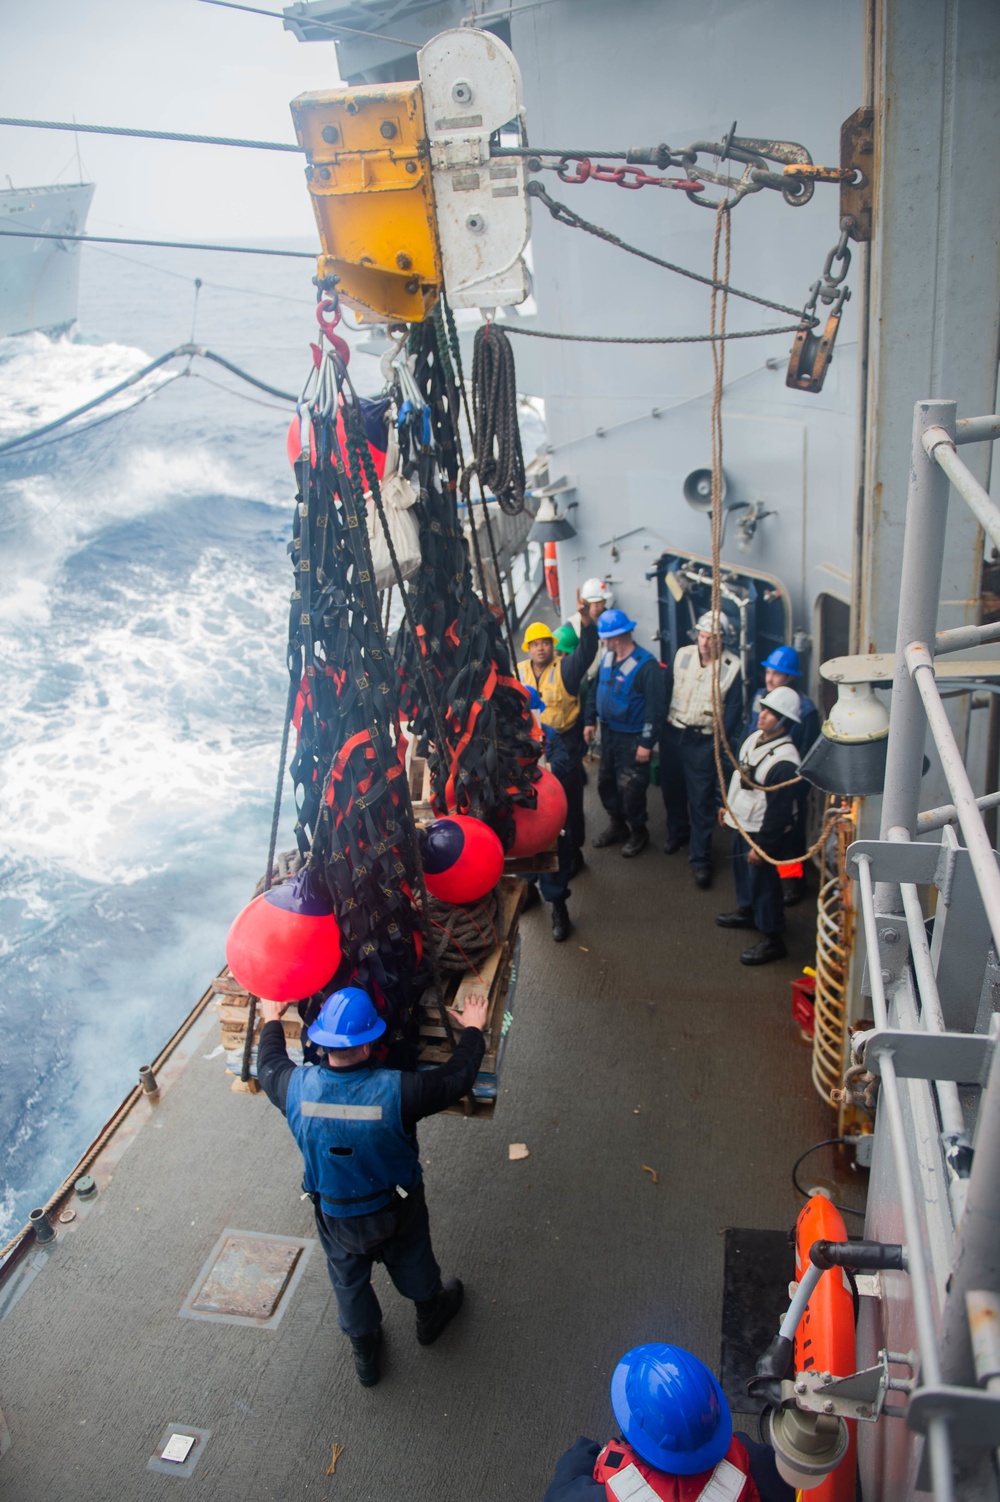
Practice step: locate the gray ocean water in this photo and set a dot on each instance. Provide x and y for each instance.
(143, 609)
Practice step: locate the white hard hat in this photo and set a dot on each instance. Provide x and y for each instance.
(592, 590)
(709, 623)
(785, 702)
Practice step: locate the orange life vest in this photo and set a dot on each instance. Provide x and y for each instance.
(627, 1478)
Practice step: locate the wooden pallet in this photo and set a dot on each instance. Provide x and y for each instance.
(233, 1006)
(494, 976)
(533, 865)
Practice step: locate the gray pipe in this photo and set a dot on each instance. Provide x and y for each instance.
(976, 1265)
(920, 587)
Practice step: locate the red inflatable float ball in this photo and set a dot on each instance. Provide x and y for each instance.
(463, 858)
(285, 945)
(536, 828)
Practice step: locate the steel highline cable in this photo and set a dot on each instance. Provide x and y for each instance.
(562, 214)
(239, 250)
(180, 352)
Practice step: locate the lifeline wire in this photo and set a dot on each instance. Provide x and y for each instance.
(151, 135)
(183, 276)
(236, 250)
(353, 31)
(513, 328)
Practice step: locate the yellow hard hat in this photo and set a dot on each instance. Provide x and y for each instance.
(537, 631)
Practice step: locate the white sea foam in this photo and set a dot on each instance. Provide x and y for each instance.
(41, 379)
(140, 743)
(49, 516)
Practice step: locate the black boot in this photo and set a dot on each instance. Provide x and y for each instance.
(771, 947)
(741, 918)
(433, 1314)
(637, 841)
(366, 1353)
(612, 835)
(561, 925)
(532, 899)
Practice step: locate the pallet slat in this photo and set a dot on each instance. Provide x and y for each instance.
(494, 977)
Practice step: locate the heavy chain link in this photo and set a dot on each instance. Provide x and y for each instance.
(829, 289)
(794, 177)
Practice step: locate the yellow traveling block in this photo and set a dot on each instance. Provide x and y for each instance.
(370, 181)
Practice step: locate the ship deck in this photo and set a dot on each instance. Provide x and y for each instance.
(640, 1041)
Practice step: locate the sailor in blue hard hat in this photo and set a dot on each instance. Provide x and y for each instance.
(688, 774)
(782, 669)
(355, 1124)
(677, 1442)
(626, 698)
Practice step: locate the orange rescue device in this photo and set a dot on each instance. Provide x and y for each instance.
(824, 1341)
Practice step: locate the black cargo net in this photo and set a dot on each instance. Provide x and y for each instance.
(355, 821)
(458, 692)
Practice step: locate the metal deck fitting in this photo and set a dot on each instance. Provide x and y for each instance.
(246, 1279)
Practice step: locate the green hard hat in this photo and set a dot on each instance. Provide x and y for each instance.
(566, 639)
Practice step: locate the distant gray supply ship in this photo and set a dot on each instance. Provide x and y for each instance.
(40, 279)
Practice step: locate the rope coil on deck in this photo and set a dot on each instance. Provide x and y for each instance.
(463, 934)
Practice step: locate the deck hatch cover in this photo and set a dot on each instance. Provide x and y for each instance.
(247, 1279)
(193, 1441)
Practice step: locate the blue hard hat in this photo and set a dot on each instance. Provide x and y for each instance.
(347, 1019)
(671, 1409)
(784, 660)
(613, 623)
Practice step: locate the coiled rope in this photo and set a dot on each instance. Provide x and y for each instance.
(464, 934)
(497, 457)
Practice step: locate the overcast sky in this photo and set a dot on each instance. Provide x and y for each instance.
(164, 65)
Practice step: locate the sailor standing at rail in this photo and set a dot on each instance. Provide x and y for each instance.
(557, 679)
(356, 1126)
(627, 698)
(762, 796)
(782, 670)
(687, 751)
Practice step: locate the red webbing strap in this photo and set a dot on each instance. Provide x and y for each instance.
(470, 725)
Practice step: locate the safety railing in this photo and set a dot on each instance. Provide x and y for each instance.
(937, 1151)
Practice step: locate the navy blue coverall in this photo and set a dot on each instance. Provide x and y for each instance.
(628, 696)
(399, 1235)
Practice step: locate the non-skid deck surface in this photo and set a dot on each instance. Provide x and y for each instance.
(639, 1044)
